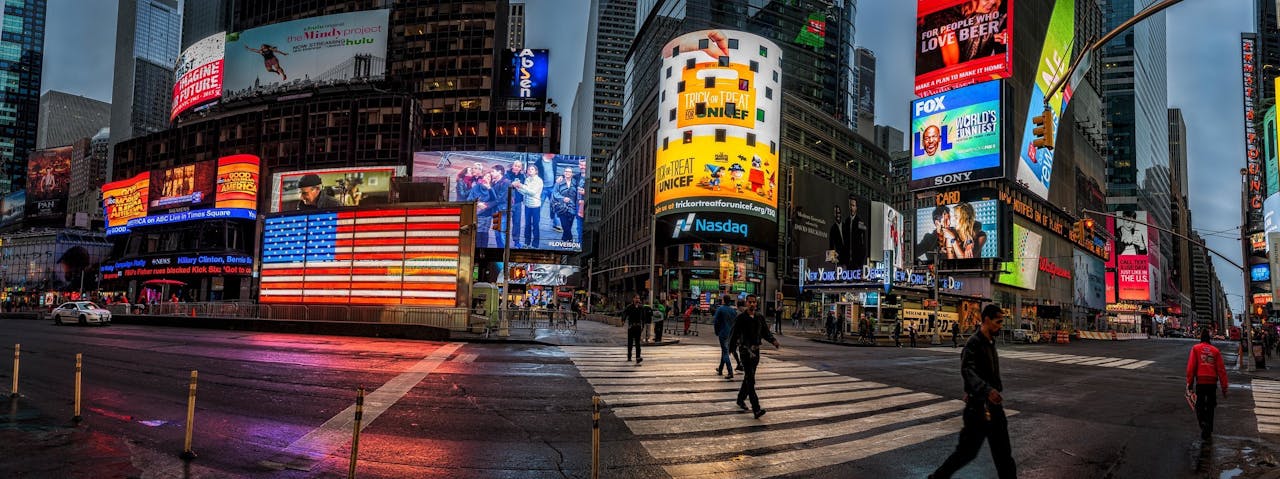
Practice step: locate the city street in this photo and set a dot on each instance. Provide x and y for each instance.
(279, 405)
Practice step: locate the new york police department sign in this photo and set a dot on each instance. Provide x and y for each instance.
(867, 276)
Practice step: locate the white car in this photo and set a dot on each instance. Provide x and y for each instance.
(81, 312)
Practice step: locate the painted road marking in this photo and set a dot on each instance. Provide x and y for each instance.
(1102, 362)
(1266, 405)
(315, 446)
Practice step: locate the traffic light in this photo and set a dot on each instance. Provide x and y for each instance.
(1088, 224)
(1043, 130)
(497, 222)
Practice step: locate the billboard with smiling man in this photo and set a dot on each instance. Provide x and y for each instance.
(956, 136)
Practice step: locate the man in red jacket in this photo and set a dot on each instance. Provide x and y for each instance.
(1205, 367)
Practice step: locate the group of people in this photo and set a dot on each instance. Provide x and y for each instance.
(489, 188)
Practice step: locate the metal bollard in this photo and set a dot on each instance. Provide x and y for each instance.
(16, 349)
(187, 453)
(355, 433)
(595, 437)
(76, 417)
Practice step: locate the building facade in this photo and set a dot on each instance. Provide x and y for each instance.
(89, 160)
(148, 33)
(889, 139)
(865, 66)
(65, 118)
(204, 18)
(515, 25)
(21, 64)
(1180, 277)
(598, 120)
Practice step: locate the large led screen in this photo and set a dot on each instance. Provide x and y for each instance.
(183, 264)
(1088, 275)
(125, 200)
(1024, 268)
(956, 136)
(1132, 255)
(333, 188)
(719, 116)
(198, 74)
(965, 230)
(961, 42)
(48, 180)
(315, 51)
(547, 195)
(525, 72)
(387, 256)
(237, 185)
(1035, 167)
(1260, 272)
(830, 227)
(15, 205)
(532, 273)
(182, 187)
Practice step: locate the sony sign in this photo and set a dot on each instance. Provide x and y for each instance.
(952, 178)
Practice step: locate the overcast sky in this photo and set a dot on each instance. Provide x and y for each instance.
(1203, 79)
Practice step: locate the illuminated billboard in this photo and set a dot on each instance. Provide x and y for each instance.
(961, 42)
(1035, 166)
(547, 195)
(1132, 256)
(1260, 272)
(237, 184)
(1089, 275)
(1023, 269)
(964, 230)
(231, 264)
(384, 256)
(332, 188)
(182, 187)
(831, 227)
(717, 142)
(887, 234)
(315, 51)
(125, 200)
(15, 205)
(198, 74)
(956, 136)
(1253, 153)
(532, 273)
(525, 73)
(48, 182)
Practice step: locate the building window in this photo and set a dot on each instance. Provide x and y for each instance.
(744, 84)
(689, 64)
(668, 72)
(755, 66)
(759, 114)
(768, 93)
(723, 60)
(680, 87)
(751, 139)
(733, 43)
(709, 82)
(773, 147)
(688, 136)
(764, 52)
(664, 143)
(700, 109)
(704, 44)
(672, 115)
(720, 133)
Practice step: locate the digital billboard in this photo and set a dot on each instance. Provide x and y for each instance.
(887, 233)
(1260, 272)
(198, 74)
(383, 256)
(1035, 166)
(717, 142)
(185, 187)
(956, 136)
(830, 227)
(48, 182)
(336, 48)
(964, 230)
(206, 264)
(125, 200)
(1023, 269)
(548, 195)
(332, 188)
(1089, 275)
(15, 205)
(1132, 255)
(525, 73)
(1253, 154)
(961, 42)
(237, 184)
(532, 273)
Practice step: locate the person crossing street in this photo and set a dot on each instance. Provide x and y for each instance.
(1206, 372)
(634, 316)
(749, 331)
(723, 325)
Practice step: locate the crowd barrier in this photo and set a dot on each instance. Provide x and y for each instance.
(1110, 335)
(453, 319)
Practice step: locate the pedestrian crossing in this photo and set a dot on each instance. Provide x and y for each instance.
(1099, 361)
(685, 416)
(1266, 405)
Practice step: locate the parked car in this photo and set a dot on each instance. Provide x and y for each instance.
(1026, 335)
(80, 312)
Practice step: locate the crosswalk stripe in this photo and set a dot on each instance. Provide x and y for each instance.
(728, 406)
(732, 419)
(732, 394)
(615, 381)
(1105, 362)
(689, 370)
(1266, 405)
(666, 387)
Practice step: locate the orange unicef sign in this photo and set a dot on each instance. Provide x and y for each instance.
(238, 182)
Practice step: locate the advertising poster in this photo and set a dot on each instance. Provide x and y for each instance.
(125, 200)
(1132, 259)
(969, 229)
(1035, 167)
(830, 227)
(956, 136)
(886, 233)
(717, 142)
(1269, 148)
(332, 188)
(198, 74)
(15, 205)
(1260, 272)
(182, 187)
(548, 195)
(533, 273)
(525, 73)
(391, 256)
(302, 53)
(237, 185)
(1088, 273)
(961, 42)
(48, 181)
(1023, 270)
(1253, 153)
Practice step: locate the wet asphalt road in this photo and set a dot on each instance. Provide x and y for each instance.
(267, 401)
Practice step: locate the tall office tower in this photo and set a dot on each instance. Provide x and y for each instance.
(148, 33)
(598, 117)
(1136, 100)
(515, 25)
(21, 60)
(889, 139)
(89, 162)
(1180, 275)
(1268, 51)
(65, 118)
(865, 66)
(203, 18)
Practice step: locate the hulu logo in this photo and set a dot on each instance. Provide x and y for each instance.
(361, 41)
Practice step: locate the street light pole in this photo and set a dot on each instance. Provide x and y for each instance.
(591, 263)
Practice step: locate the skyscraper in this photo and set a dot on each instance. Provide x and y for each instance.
(1180, 274)
(65, 118)
(1268, 49)
(203, 18)
(599, 117)
(21, 60)
(889, 139)
(515, 25)
(148, 33)
(865, 66)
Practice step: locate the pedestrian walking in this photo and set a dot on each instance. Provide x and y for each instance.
(750, 330)
(688, 318)
(831, 326)
(722, 324)
(955, 334)
(648, 324)
(984, 417)
(659, 319)
(1206, 372)
(634, 316)
(897, 334)
(777, 318)
(911, 334)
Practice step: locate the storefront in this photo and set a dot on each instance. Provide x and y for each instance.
(48, 266)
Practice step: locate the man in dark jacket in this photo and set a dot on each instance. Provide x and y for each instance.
(984, 416)
(955, 334)
(634, 317)
(750, 330)
(723, 325)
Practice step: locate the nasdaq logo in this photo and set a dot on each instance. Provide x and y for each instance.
(683, 225)
(691, 223)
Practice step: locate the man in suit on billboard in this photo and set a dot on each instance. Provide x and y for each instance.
(849, 237)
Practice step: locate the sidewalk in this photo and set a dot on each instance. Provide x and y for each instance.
(588, 333)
